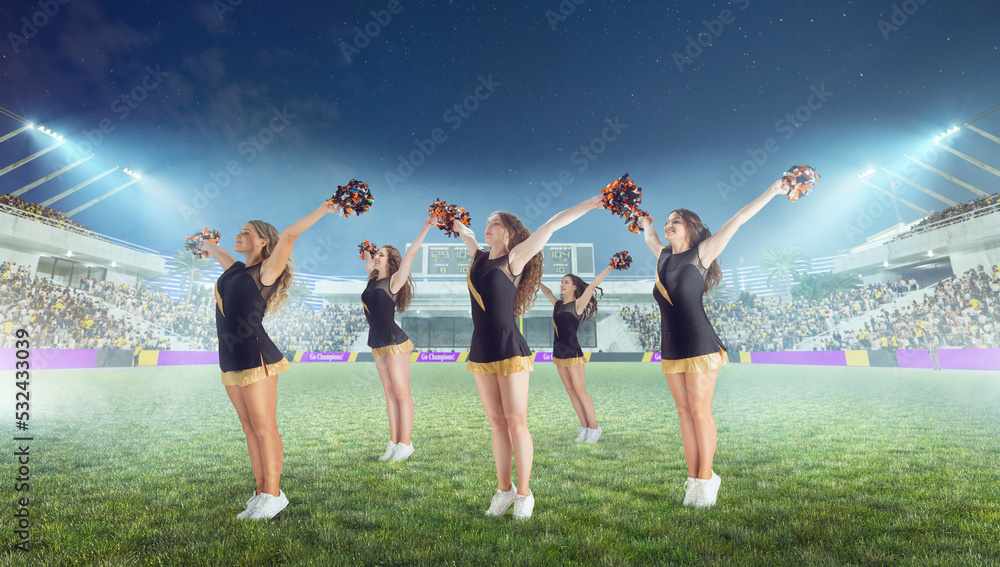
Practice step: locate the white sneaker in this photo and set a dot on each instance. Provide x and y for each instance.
(250, 505)
(390, 448)
(501, 501)
(523, 505)
(689, 492)
(402, 451)
(708, 491)
(594, 434)
(268, 506)
(583, 433)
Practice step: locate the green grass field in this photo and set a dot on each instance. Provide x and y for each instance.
(820, 466)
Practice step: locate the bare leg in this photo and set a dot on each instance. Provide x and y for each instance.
(262, 403)
(253, 445)
(678, 389)
(700, 390)
(391, 403)
(579, 378)
(489, 394)
(514, 395)
(573, 397)
(399, 373)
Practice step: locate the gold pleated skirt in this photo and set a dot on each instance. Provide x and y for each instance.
(390, 350)
(502, 367)
(702, 363)
(244, 378)
(567, 362)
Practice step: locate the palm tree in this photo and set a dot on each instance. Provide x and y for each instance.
(190, 269)
(833, 283)
(298, 293)
(785, 263)
(719, 293)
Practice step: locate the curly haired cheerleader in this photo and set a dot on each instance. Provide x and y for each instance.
(390, 288)
(249, 360)
(690, 349)
(577, 305)
(502, 284)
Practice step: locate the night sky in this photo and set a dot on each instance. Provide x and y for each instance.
(489, 105)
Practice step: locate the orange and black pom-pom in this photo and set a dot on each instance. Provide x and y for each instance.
(191, 243)
(621, 260)
(447, 215)
(622, 197)
(801, 179)
(369, 247)
(355, 197)
(632, 220)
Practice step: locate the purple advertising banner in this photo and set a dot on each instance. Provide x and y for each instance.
(913, 358)
(969, 358)
(187, 357)
(815, 357)
(543, 357)
(49, 358)
(438, 357)
(325, 357)
(657, 357)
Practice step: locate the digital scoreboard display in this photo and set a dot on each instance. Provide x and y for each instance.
(454, 260)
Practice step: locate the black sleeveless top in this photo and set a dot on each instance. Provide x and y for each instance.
(492, 289)
(685, 331)
(380, 305)
(566, 322)
(240, 303)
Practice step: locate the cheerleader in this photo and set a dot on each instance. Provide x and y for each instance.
(390, 288)
(568, 313)
(502, 285)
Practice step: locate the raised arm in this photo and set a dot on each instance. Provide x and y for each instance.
(273, 265)
(584, 299)
(218, 252)
(652, 239)
(369, 262)
(712, 247)
(520, 254)
(468, 237)
(399, 278)
(548, 293)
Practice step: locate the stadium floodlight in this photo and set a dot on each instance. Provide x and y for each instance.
(885, 263)
(114, 264)
(866, 173)
(946, 133)
(930, 253)
(69, 253)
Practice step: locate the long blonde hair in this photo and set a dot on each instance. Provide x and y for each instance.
(284, 282)
(393, 260)
(531, 276)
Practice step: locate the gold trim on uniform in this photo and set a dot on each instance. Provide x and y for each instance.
(567, 362)
(391, 350)
(218, 299)
(468, 280)
(365, 305)
(244, 378)
(659, 284)
(502, 367)
(702, 363)
(555, 327)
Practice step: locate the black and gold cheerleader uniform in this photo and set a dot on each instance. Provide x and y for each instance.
(246, 353)
(384, 335)
(497, 345)
(566, 349)
(688, 343)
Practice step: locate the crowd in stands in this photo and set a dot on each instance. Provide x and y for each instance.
(51, 215)
(953, 215)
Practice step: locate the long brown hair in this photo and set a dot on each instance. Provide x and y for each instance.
(284, 282)
(698, 231)
(531, 276)
(581, 286)
(393, 259)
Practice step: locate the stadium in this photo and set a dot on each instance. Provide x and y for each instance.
(857, 416)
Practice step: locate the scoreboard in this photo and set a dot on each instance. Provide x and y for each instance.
(444, 260)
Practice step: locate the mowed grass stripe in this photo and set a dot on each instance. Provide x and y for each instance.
(820, 466)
